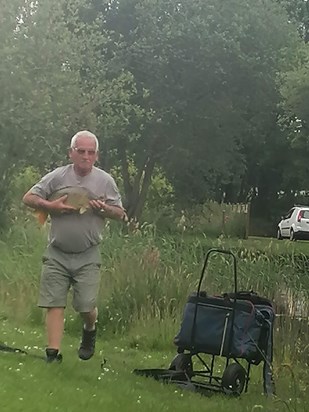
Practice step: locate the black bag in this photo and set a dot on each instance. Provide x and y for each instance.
(207, 325)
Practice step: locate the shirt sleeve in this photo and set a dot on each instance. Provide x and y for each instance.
(112, 194)
(45, 187)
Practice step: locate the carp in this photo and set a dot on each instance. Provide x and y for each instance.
(77, 197)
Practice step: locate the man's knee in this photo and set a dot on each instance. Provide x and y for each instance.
(84, 305)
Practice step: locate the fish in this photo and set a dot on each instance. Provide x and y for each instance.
(77, 197)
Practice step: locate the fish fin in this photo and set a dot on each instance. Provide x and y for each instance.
(82, 210)
(41, 216)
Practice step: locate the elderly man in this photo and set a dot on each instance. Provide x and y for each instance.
(72, 258)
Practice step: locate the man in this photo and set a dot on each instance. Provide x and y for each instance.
(72, 258)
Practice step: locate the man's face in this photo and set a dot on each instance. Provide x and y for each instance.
(83, 155)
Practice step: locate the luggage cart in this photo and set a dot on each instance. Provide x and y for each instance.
(237, 326)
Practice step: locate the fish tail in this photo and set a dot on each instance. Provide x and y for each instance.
(41, 216)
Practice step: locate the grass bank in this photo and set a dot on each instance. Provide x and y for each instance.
(28, 384)
(146, 279)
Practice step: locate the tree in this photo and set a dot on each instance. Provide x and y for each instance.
(210, 78)
(298, 11)
(54, 84)
(295, 91)
(184, 87)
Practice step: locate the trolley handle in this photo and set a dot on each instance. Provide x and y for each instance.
(193, 332)
(226, 252)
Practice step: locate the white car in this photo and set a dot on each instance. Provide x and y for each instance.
(295, 224)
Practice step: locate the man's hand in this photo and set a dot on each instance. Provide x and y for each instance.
(54, 206)
(59, 205)
(98, 205)
(105, 210)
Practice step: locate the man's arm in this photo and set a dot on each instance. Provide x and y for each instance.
(114, 212)
(110, 206)
(109, 211)
(37, 202)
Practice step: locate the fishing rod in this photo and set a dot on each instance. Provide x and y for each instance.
(10, 349)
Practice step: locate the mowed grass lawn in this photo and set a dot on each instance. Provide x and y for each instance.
(29, 384)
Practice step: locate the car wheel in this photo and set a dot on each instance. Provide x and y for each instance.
(292, 235)
(279, 235)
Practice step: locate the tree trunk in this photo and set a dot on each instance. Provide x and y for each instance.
(144, 189)
(136, 189)
(125, 174)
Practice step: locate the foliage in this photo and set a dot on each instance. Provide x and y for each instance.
(19, 184)
(209, 219)
(161, 191)
(298, 11)
(295, 121)
(155, 272)
(190, 91)
(45, 55)
(201, 70)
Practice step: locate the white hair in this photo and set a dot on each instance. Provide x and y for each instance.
(84, 133)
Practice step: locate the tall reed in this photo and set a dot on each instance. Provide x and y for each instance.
(147, 278)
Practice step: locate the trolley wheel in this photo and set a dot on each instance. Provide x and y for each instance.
(182, 362)
(234, 379)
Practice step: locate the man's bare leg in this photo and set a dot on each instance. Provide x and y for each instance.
(55, 327)
(90, 319)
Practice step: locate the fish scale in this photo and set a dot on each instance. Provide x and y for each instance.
(77, 197)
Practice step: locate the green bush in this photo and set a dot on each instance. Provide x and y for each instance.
(20, 183)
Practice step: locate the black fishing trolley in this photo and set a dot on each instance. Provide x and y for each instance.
(237, 326)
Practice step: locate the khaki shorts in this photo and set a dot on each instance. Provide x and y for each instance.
(62, 271)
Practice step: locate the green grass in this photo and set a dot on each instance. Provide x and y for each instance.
(269, 245)
(146, 279)
(28, 384)
(256, 244)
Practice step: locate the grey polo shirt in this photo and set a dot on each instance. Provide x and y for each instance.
(73, 232)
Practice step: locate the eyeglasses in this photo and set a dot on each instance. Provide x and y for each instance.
(84, 151)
